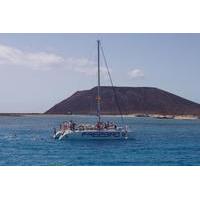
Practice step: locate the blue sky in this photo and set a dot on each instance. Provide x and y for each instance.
(39, 70)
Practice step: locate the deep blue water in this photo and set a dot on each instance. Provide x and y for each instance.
(28, 141)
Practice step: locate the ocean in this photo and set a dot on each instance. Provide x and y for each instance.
(28, 141)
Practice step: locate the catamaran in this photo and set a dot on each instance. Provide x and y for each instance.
(100, 130)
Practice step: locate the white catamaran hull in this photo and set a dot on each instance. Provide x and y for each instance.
(91, 135)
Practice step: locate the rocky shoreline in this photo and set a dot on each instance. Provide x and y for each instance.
(159, 116)
(156, 116)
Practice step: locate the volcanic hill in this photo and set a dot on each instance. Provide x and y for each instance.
(132, 100)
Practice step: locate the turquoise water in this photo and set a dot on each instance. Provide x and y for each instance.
(28, 141)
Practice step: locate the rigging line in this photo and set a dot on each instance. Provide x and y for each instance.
(114, 91)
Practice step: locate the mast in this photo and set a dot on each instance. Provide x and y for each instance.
(99, 84)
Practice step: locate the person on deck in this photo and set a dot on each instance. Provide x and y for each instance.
(107, 125)
(98, 125)
(73, 125)
(65, 126)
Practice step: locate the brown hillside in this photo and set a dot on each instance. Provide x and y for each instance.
(144, 100)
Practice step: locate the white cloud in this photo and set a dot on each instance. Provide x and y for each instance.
(81, 65)
(38, 61)
(11, 56)
(84, 66)
(136, 73)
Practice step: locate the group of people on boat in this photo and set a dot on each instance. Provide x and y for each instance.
(71, 125)
(107, 125)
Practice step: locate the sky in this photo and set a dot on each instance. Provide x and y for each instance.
(39, 70)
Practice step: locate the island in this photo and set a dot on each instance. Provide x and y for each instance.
(133, 101)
